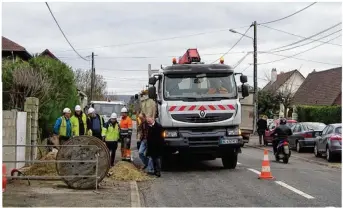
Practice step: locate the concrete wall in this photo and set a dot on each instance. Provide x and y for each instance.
(9, 137)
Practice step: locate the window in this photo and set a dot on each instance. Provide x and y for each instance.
(314, 126)
(338, 130)
(199, 86)
(330, 130)
(297, 128)
(107, 109)
(325, 130)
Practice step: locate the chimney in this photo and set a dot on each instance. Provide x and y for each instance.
(273, 76)
(314, 71)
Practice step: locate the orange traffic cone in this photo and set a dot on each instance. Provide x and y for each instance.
(265, 173)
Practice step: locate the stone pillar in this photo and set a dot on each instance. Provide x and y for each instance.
(31, 106)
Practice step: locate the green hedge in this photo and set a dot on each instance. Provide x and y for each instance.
(324, 114)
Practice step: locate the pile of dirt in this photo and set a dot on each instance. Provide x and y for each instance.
(126, 171)
(43, 169)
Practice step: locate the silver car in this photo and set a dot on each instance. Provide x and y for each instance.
(329, 142)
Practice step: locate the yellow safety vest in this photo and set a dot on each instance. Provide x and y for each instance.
(63, 128)
(112, 134)
(75, 123)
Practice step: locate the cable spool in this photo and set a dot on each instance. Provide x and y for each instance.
(83, 168)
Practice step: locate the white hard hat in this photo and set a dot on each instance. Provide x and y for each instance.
(77, 108)
(66, 110)
(91, 110)
(114, 115)
(123, 110)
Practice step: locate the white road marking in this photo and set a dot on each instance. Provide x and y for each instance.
(294, 190)
(255, 171)
(239, 163)
(135, 200)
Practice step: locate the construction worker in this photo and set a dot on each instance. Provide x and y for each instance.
(111, 132)
(216, 87)
(95, 124)
(125, 134)
(63, 127)
(79, 122)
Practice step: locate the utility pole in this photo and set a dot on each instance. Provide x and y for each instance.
(92, 76)
(255, 97)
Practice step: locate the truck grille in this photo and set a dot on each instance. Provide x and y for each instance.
(195, 118)
(203, 141)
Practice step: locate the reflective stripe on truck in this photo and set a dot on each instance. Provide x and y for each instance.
(201, 107)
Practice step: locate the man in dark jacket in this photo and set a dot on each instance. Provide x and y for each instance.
(261, 129)
(155, 143)
(95, 124)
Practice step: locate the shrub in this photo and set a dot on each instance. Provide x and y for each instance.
(324, 114)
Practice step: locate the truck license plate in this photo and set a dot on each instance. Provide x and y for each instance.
(229, 141)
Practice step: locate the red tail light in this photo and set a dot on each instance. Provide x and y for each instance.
(285, 143)
(336, 138)
(307, 135)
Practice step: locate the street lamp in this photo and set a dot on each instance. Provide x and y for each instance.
(234, 31)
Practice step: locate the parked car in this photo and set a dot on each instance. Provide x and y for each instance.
(329, 142)
(271, 128)
(304, 134)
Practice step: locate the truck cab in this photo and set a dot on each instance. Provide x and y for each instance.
(106, 108)
(199, 108)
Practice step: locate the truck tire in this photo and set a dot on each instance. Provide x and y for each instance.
(230, 160)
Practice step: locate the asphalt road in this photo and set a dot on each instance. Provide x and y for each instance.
(296, 184)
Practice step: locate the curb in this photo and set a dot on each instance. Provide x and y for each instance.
(300, 158)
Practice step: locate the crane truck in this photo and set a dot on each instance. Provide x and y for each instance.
(199, 108)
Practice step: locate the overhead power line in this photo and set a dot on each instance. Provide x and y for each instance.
(264, 23)
(156, 40)
(296, 35)
(301, 59)
(301, 51)
(309, 42)
(306, 38)
(233, 45)
(63, 33)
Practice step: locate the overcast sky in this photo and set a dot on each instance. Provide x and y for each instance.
(92, 26)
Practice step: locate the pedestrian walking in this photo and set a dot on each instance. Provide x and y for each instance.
(143, 129)
(63, 128)
(111, 132)
(261, 129)
(79, 122)
(95, 124)
(155, 144)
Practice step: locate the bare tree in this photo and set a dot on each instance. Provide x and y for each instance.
(29, 82)
(83, 82)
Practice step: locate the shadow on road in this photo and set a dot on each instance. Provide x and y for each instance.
(181, 164)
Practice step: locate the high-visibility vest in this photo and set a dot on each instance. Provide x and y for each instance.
(221, 90)
(63, 127)
(75, 123)
(112, 134)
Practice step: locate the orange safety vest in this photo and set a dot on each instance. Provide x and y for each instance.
(126, 124)
(221, 90)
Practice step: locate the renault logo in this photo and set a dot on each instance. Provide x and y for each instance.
(202, 114)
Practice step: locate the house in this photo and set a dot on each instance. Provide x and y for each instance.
(13, 50)
(321, 88)
(48, 53)
(286, 83)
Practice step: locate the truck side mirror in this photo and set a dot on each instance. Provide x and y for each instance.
(244, 79)
(136, 96)
(152, 80)
(152, 92)
(245, 91)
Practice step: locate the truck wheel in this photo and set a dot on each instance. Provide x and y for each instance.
(230, 161)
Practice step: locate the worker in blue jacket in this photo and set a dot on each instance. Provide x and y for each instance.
(63, 126)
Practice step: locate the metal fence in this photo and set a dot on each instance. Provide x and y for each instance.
(96, 161)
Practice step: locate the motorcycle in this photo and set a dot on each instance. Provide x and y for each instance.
(282, 151)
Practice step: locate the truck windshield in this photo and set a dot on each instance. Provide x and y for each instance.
(107, 109)
(199, 87)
